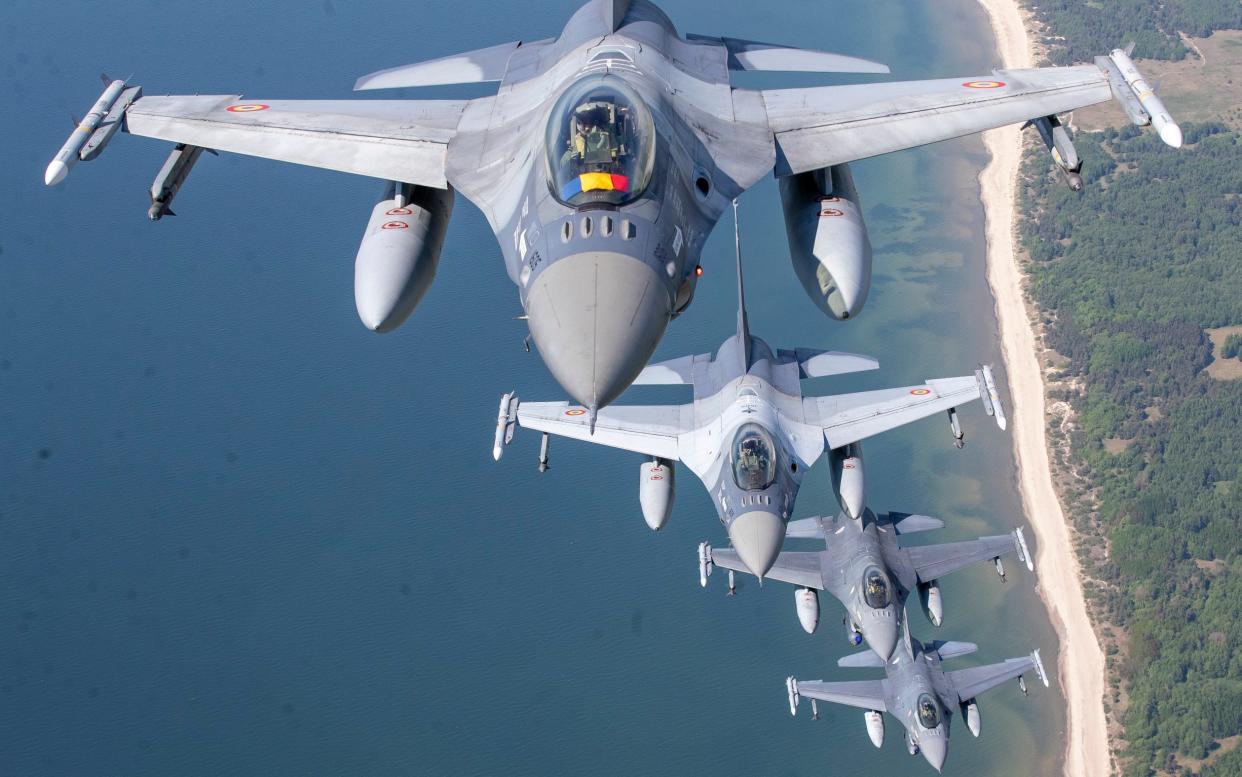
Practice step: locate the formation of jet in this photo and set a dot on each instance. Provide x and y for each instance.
(602, 163)
(918, 692)
(867, 571)
(750, 434)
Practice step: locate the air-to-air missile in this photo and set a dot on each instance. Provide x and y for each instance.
(1137, 97)
(94, 131)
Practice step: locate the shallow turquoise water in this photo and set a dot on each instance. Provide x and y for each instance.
(239, 533)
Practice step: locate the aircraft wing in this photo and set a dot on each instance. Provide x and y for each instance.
(848, 418)
(969, 683)
(864, 694)
(799, 568)
(648, 429)
(933, 561)
(399, 140)
(826, 125)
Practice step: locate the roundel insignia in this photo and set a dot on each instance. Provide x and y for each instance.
(831, 212)
(920, 392)
(983, 84)
(248, 108)
(395, 225)
(829, 199)
(399, 212)
(575, 411)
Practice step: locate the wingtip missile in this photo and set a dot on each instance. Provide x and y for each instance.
(55, 173)
(1039, 667)
(705, 563)
(58, 169)
(1024, 553)
(1138, 98)
(505, 419)
(989, 383)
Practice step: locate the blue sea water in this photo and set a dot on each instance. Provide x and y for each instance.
(241, 534)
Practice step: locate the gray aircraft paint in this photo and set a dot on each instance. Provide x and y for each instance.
(913, 673)
(854, 547)
(746, 384)
(598, 303)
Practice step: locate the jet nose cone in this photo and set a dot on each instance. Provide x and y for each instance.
(757, 537)
(882, 637)
(935, 750)
(596, 318)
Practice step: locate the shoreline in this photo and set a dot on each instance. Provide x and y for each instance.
(1080, 660)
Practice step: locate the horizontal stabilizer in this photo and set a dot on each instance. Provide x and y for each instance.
(804, 529)
(864, 660)
(469, 67)
(672, 372)
(954, 649)
(904, 523)
(818, 363)
(754, 55)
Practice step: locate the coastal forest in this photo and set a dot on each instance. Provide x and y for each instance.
(1137, 280)
(1129, 274)
(1079, 30)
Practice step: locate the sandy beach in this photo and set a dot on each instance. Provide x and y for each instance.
(1081, 661)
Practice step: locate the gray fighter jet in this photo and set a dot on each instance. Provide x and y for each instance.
(602, 163)
(918, 692)
(867, 571)
(750, 435)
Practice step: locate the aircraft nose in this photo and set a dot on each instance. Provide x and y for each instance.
(935, 749)
(757, 537)
(882, 637)
(597, 318)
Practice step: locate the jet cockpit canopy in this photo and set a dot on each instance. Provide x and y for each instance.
(875, 588)
(754, 458)
(929, 712)
(600, 143)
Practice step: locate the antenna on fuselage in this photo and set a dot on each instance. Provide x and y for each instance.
(743, 326)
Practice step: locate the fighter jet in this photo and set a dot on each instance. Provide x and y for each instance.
(602, 162)
(918, 692)
(867, 571)
(750, 435)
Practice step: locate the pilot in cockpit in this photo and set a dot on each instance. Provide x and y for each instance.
(593, 138)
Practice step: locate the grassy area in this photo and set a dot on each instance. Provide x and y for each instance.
(1203, 87)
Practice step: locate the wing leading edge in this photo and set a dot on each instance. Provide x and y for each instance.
(820, 126)
(652, 429)
(848, 418)
(401, 140)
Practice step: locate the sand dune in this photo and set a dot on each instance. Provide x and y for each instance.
(1081, 662)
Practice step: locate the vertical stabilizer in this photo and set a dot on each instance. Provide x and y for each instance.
(743, 326)
(905, 633)
(614, 13)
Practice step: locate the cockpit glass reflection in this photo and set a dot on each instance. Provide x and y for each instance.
(929, 713)
(601, 143)
(754, 458)
(875, 588)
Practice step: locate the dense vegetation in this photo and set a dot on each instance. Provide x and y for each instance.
(1128, 273)
(1232, 347)
(1079, 30)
